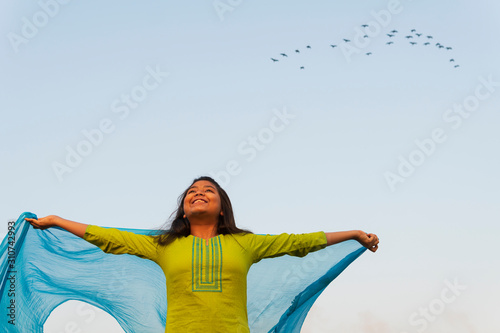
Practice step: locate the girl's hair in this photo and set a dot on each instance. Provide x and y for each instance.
(180, 227)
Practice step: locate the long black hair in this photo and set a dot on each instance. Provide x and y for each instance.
(180, 227)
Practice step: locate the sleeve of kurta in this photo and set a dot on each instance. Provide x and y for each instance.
(115, 241)
(269, 246)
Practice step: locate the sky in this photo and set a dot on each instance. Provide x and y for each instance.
(110, 110)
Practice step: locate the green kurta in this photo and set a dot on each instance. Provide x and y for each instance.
(206, 279)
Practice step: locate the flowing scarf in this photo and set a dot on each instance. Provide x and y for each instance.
(41, 269)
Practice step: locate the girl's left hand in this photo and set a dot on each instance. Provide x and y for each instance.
(370, 241)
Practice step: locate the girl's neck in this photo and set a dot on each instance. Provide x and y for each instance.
(205, 231)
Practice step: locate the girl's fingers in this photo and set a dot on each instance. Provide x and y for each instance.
(33, 222)
(372, 242)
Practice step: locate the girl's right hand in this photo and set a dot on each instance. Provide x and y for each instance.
(44, 222)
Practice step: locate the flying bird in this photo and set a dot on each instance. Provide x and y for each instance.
(389, 42)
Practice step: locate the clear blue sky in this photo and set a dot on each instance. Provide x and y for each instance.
(179, 90)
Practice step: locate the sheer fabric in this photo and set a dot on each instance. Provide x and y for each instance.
(41, 269)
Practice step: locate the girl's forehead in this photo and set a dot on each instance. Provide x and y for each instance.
(202, 183)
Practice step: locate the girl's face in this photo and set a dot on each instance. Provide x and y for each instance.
(202, 200)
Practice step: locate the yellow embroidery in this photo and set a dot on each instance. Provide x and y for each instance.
(207, 265)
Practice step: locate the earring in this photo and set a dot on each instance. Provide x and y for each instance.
(184, 216)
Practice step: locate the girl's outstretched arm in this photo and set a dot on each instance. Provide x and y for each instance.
(370, 241)
(75, 228)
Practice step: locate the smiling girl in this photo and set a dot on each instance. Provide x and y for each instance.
(205, 257)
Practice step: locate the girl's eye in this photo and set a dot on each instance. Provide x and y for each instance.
(210, 191)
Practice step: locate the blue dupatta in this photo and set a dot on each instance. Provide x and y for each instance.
(41, 269)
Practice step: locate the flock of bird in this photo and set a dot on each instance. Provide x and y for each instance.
(413, 38)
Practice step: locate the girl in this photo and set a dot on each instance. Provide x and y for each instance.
(205, 257)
